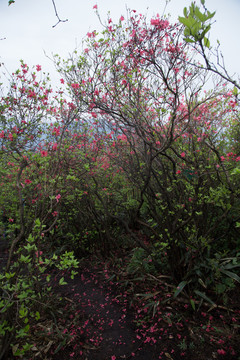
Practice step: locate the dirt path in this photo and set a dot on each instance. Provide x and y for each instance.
(109, 330)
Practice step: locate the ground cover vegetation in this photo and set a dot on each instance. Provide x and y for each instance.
(130, 170)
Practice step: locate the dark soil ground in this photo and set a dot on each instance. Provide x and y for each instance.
(109, 315)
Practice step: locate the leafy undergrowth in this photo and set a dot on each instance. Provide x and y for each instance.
(110, 314)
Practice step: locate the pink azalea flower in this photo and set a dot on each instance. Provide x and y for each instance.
(221, 352)
(44, 153)
(75, 86)
(58, 197)
(38, 253)
(162, 24)
(95, 6)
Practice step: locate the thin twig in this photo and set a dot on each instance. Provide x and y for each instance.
(56, 13)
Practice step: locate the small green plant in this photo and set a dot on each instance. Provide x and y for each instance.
(26, 293)
(140, 262)
(183, 345)
(214, 273)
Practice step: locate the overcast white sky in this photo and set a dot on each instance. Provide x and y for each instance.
(27, 27)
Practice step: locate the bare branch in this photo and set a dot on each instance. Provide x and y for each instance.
(56, 13)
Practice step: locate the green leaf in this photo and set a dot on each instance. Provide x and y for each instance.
(9, 275)
(37, 223)
(73, 273)
(180, 287)
(185, 12)
(235, 171)
(18, 352)
(192, 9)
(23, 295)
(25, 259)
(210, 15)
(195, 29)
(205, 297)
(207, 42)
(231, 266)
(185, 21)
(192, 304)
(22, 332)
(23, 312)
(199, 15)
(202, 283)
(62, 282)
(27, 346)
(207, 28)
(37, 317)
(27, 327)
(189, 40)
(235, 91)
(231, 275)
(202, 2)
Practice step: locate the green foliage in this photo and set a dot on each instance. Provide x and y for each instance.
(196, 25)
(210, 275)
(26, 296)
(140, 263)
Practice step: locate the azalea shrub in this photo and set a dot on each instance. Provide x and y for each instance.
(142, 84)
(30, 201)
